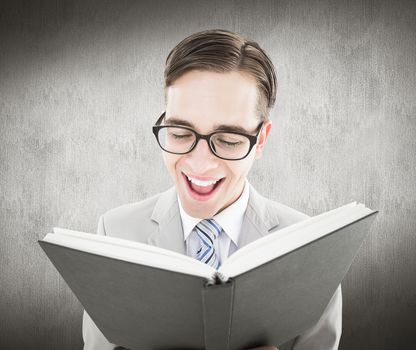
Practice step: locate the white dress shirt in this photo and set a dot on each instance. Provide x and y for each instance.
(230, 219)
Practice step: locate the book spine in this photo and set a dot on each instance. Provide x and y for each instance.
(217, 302)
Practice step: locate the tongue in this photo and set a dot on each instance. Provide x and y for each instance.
(202, 189)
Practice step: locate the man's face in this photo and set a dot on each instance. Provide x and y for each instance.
(205, 101)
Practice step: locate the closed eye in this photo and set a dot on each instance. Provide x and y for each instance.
(229, 143)
(181, 136)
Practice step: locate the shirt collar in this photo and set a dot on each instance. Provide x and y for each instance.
(230, 219)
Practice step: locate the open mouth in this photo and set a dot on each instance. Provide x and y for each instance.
(202, 190)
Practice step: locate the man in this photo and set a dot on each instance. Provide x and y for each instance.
(219, 90)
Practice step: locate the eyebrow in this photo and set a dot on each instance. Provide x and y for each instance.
(221, 127)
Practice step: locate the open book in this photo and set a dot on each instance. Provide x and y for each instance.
(269, 291)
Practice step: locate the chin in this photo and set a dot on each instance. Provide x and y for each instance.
(201, 210)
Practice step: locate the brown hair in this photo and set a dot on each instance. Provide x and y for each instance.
(224, 51)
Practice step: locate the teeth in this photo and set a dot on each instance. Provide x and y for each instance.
(201, 183)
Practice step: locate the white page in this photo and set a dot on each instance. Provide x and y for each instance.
(291, 238)
(252, 255)
(270, 238)
(120, 242)
(130, 251)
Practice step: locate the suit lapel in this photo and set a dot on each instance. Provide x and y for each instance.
(166, 213)
(259, 219)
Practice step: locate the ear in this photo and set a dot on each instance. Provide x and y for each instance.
(262, 138)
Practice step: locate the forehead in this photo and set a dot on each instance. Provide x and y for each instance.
(207, 99)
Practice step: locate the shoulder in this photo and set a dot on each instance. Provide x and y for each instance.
(142, 208)
(131, 221)
(287, 216)
(274, 211)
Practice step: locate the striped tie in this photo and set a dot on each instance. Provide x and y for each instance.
(208, 230)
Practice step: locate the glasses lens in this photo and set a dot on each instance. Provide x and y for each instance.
(230, 146)
(176, 140)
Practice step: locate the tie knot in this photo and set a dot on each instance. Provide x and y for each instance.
(210, 227)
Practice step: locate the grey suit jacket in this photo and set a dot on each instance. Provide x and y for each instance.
(157, 221)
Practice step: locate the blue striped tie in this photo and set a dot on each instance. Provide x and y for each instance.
(208, 231)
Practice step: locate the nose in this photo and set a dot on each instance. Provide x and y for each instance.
(201, 160)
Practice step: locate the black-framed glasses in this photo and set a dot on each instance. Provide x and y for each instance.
(227, 145)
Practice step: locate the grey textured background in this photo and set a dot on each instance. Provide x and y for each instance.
(81, 85)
